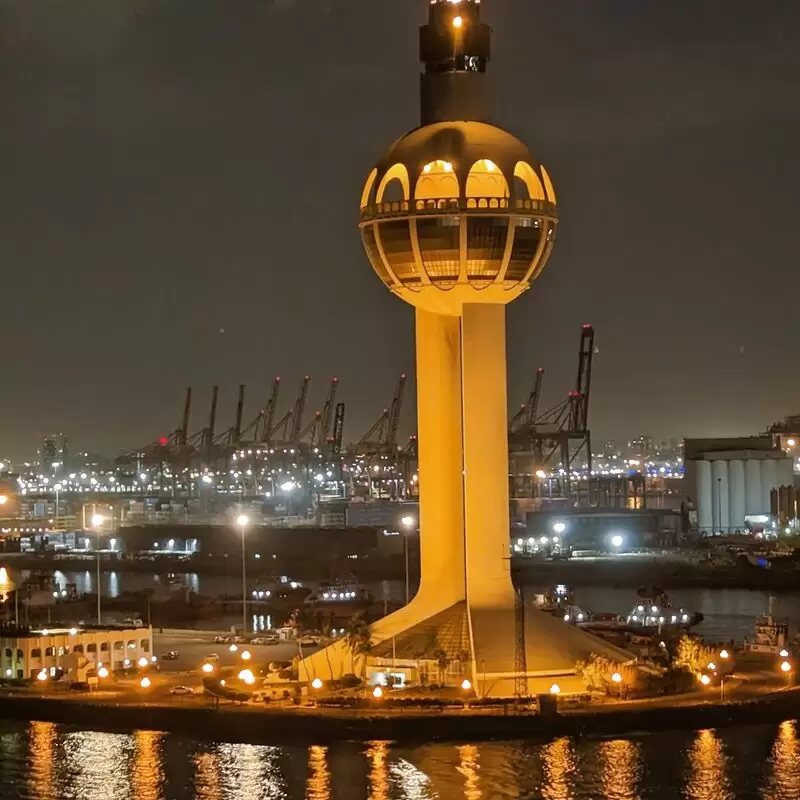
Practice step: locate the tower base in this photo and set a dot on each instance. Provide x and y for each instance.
(474, 644)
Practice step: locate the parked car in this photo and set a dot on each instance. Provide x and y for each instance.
(220, 640)
(170, 655)
(80, 686)
(181, 690)
(308, 640)
(212, 658)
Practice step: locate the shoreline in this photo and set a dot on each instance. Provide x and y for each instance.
(311, 726)
(669, 573)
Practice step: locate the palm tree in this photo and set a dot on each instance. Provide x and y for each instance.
(442, 662)
(327, 635)
(359, 639)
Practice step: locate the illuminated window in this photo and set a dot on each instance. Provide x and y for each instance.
(530, 181)
(387, 192)
(486, 180)
(437, 182)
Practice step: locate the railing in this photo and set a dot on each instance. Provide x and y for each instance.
(457, 205)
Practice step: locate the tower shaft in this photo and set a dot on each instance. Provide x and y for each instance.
(485, 445)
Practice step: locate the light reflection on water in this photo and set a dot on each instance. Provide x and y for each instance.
(620, 769)
(707, 770)
(43, 761)
(784, 779)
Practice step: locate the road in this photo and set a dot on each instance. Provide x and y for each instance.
(193, 647)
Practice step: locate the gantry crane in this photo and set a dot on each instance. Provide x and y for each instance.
(562, 429)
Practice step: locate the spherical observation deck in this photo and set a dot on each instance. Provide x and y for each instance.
(458, 212)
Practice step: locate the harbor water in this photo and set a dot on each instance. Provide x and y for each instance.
(42, 761)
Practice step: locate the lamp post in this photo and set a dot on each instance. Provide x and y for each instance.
(719, 503)
(97, 524)
(408, 523)
(242, 521)
(58, 488)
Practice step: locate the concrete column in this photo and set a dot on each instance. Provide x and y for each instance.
(485, 414)
(441, 502)
(719, 507)
(705, 520)
(786, 472)
(752, 479)
(736, 494)
(769, 480)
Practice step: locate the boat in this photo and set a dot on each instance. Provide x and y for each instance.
(653, 613)
(771, 637)
(280, 589)
(340, 592)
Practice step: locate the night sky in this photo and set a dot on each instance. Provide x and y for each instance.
(179, 185)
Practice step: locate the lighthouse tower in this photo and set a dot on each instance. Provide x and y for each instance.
(458, 219)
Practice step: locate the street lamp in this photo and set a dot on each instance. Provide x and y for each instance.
(208, 668)
(58, 487)
(242, 521)
(145, 682)
(246, 676)
(97, 523)
(408, 524)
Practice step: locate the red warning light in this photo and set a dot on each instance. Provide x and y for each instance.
(163, 441)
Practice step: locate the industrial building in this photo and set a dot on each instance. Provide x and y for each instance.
(729, 481)
(72, 652)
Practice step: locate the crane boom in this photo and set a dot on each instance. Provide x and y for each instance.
(324, 430)
(338, 430)
(393, 422)
(237, 426)
(299, 409)
(269, 410)
(533, 399)
(187, 410)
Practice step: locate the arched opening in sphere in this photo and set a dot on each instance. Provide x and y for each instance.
(366, 194)
(436, 185)
(548, 187)
(485, 181)
(395, 186)
(527, 235)
(526, 179)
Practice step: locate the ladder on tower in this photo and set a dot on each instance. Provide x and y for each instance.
(521, 694)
